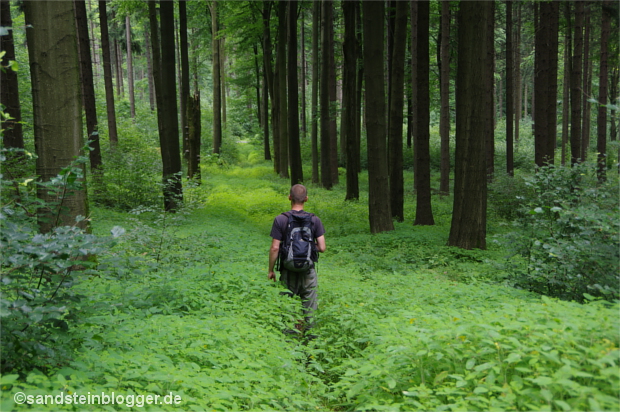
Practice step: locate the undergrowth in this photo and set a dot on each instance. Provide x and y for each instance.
(183, 307)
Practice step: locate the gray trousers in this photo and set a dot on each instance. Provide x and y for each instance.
(304, 285)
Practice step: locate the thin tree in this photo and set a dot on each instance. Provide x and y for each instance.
(281, 89)
(107, 72)
(545, 83)
(509, 91)
(424, 210)
(88, 88)
(489, 129)
(575, 80)
(130, 82)
(413, 12)
(12, 133)
(297, 173)
(397, 103)
(54, 74)
(268, 81)
(587, 86)
(149, 68)
(329, 65)
(444, 120)
(217, 84)
(468, 228)
(185, 97)
(601, 120)
(566, 83)
(349, 93)
(316, 19)
(326, 174)
(379, 212)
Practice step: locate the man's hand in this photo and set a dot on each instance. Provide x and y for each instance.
(272, 276)
(274, 250)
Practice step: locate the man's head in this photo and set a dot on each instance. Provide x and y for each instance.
(298, 195)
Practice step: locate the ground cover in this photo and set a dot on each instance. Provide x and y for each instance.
(405, 322)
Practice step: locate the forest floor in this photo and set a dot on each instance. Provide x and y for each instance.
(404, 322)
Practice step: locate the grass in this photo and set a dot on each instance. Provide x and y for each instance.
(404, 322)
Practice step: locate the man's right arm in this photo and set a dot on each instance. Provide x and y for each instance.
(274, 251)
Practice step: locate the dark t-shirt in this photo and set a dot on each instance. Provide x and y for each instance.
(278, 230)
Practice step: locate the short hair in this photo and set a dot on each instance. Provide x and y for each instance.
(299, 193)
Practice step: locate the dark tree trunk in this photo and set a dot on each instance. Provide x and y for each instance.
(297, 173)
(169, 126)
(444, 122)
(601, 120)
(489, 130)
(303, 68)
(149, 69)
(195, 128)
(349, 110)
(414, 89)
(130, 83)
(587, 87)
(546, 82)
(566, 84)
(360, 82)
(509, 91)
(314, 133)
(281, 90)
(185, 97)
(575, 80)
(12, 134)
(107, 72)
(330, 66)
(468, 228)
(380, 214)
(269, 81)
(326, 174)
(424, 210)
(217, 84)
(517, 73)
(397, 103)
(259, 102)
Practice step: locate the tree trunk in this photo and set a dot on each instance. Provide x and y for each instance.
(195, 128)
(303, 78)
(424, 210)
(546, 82)
(468, 228)
(397, 103)
(169, 130)
(444, 122)
(575, 80)
(316, 19)
(217, 85)
(12, 134)
(326, 174)
(587, 86)
(360, 82)
(297, 173)
(490, 87)
(330, 66)
(349, 110)
(566, 88)
(107, 73)
(269, 80)
(185, 97)
(380, 215)
(414, 89)
(56, 103)
(509, 91)
(281, 75)
(132, 99)
(149, 69)
(601, 120)
(517, 73)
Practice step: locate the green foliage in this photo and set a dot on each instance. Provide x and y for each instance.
(567, 230)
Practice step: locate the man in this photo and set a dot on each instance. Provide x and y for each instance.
(304, 283)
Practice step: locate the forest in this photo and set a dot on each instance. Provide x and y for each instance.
(463, 157)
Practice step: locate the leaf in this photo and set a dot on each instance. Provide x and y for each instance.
(470, 363)
(480, 389)
(440, 377)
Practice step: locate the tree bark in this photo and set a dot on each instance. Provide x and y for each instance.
(349, 110)
(185, 97)
(217, 85)
(297, 173)
(130, 83)
(12, 131)
(587, 86)
(326, 173)
(424, 210)
(468, 228)
(566, 85)
(149, 69)
(380, 214)
(444, 122)
(397, 103)
(575, 80)
(414, 88)
(269, 80)
(601, 119)
(316, 19)
(195, 128)
(56, 103)
(509, 91)
(330, 66)
(282, 102)
(107, 73)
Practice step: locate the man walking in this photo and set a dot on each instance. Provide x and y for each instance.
(302, 283)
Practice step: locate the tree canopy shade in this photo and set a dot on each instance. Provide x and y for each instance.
(56, 102)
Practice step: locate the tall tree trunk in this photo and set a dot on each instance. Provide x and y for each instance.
(468, 228)
(444, 122)
(193, 121)
(326, 174)
(546, 82)
(88, 87)
(601, 120)
(266, 123)
(490, 87)
(517, 73)
(575, 80)
(566, 84)
(349, 85)
(149, 69)
(314, 133)
(269, 80)
(414, 89)
(156, 49)
(424, 210)
(222, 50)
(185, 97)
(360, 82)
(587, 86)
(12, 134)
(281, 75)
(330, 67)
(509, 91)
(379, 212)
(259, 102)
(297, 173)
(397, 103)
(130, 83)
(303, 78)
(107, 73)
(613, 95)
(56, 103)
(217, 85)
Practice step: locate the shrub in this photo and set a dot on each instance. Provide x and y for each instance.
(567, 232)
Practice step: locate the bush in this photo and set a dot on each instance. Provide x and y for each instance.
(567, 231)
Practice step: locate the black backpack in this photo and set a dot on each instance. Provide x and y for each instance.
(298, 250)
